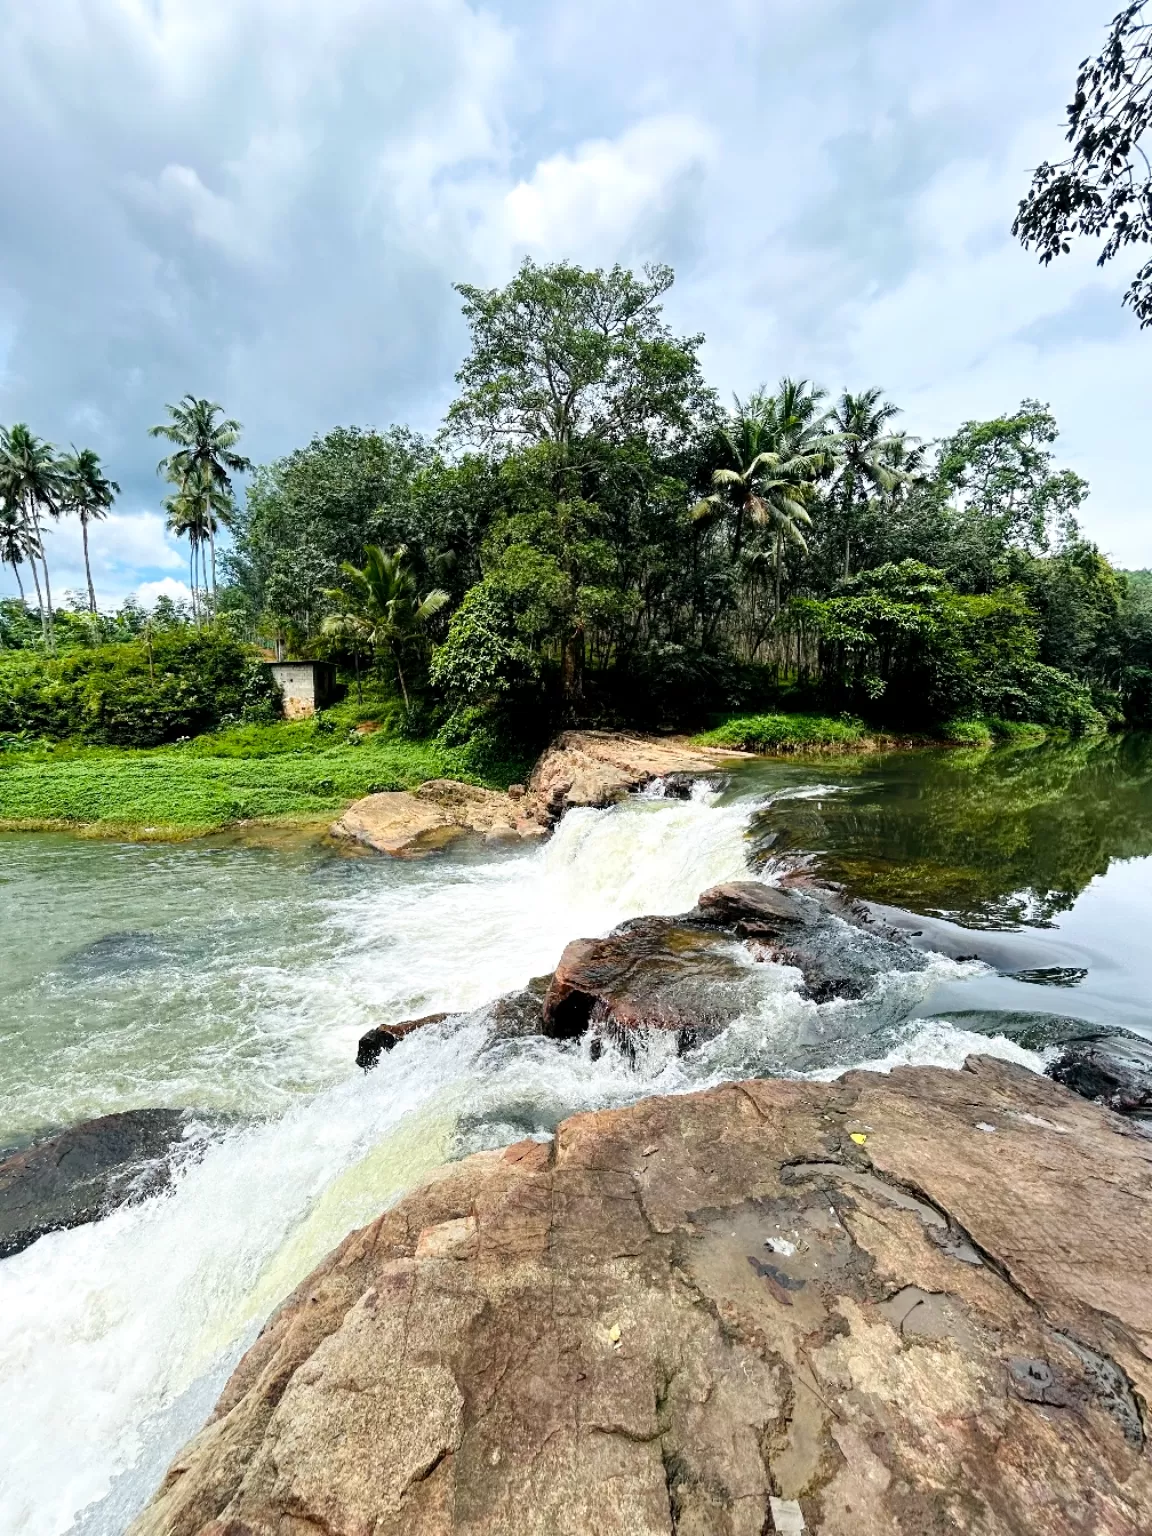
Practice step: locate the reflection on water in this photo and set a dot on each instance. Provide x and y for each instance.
(988, 839)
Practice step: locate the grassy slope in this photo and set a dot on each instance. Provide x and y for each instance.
(289, 771)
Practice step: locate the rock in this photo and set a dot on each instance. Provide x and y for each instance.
(913, 1303)
(371, 1046)
(597, 768)
(755, 907)
(1114, 1069)
(650, 973)
(689, 973)
(406, 824)
(85, 1172)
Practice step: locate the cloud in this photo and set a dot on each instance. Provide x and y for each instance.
(268, 201)
(148, 591)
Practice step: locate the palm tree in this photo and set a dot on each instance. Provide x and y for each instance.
(381, 609)
(199, 509)
(777, 450)
(205, 456)
(87, 491)
(30, 481)
(14, 543)
(872, 457)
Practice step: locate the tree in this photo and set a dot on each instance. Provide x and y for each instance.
(999, 474)
(870, 459)
(14, 541)
(776, 449)
(197, 510)
(30, 480)
(381, 608)
(308, 513)
(87, 491)
(205, 459)
(1104, 187)
(562, 353)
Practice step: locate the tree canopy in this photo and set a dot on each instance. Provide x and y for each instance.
(1103, 188)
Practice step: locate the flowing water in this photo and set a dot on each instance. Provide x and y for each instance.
(235, 980)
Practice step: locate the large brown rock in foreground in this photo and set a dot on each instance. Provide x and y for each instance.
(893, 1306)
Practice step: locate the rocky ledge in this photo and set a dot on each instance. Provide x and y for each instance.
(581, 768)
(913, 1303)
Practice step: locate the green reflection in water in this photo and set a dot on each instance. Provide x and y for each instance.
(990, 839)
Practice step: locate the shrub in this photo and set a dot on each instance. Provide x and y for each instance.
(139, 693)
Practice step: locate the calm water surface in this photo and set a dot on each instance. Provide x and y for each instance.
(237, 979)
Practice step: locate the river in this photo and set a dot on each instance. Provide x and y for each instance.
(236, 978)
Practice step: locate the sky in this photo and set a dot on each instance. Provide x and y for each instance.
(268, 201)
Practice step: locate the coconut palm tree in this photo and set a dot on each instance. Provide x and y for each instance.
(14, 542)
(197, 509)
(381, 609)
(205, 455)
(86, 490)
(871, 462)
(30, 481)
(777, 450)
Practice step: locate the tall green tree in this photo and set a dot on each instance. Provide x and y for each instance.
(562, 354)
(869, 460)
(776, 448)
(86, 490)
(15, 547)
(380, 609)
(205, 459)
(30, 480)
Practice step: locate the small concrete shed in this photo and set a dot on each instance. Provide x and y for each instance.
(306, 685)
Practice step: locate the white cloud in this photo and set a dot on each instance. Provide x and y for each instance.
(148, 591)
(607, 192)
(267, 201)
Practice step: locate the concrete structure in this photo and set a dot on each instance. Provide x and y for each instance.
(307, 686)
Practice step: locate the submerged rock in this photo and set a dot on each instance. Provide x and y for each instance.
(1114, 1069)
(916, 1302)
(86, 1171)
(371, 1046)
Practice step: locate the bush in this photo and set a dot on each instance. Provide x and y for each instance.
(136, 693)
(784, 733)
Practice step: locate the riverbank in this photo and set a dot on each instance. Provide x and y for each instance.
(307, 773)
(291, 773)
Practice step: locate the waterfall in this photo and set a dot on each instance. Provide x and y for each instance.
(116, 1337)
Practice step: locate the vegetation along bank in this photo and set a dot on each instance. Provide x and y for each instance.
(595, 540)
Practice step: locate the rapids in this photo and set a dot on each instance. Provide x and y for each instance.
(237, 979)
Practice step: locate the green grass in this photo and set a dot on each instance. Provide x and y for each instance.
(289, 771)
(786, 733)
(988, 732)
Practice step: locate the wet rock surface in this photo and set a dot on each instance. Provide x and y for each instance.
(1114, 1069)
(87, 1171)
(598, 768)
(691, 973)
(914, 1303)
(372, 1045)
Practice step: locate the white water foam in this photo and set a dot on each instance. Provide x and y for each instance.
(114, 1337)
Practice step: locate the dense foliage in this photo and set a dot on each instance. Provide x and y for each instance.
(167, 683)
(595, 538)
(616, 545)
